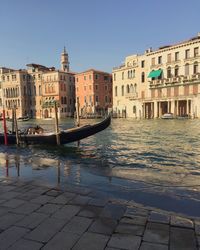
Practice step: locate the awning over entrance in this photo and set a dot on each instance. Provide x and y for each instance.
(155, 73)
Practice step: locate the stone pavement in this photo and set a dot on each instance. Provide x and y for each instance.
(35, 217)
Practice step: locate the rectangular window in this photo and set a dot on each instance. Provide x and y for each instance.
(186, 90)
(153, 93)
(169, 58)
(168, 92)
(114, 76)
(96, 98)
(176, 56)
(196, 51)
(96, 87)
(187, 53)
(159, 59)
(142, 64)
(84, 88)
(153, 61)
(176, 91)
(84, 77)
(105, 78)
(195, 89)
(96, 76)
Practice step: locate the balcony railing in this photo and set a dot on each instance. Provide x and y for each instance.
(175, 80)
(131, 95)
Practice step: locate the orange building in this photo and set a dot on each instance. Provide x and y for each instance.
(93, 92)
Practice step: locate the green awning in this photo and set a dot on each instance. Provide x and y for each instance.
(155, 73)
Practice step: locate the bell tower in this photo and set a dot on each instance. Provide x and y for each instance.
(64, 61)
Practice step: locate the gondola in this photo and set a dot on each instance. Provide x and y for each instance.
(66, 136)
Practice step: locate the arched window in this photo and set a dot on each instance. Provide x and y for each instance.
(131, 88)
(176, 71)
(134, 109)
(143, 77)
(128, 74)
(195, 68)
(127, 89)
(116, 91)
(133, 73)
(135, 88)
(187, 71)
(169, 73)
(122, 90)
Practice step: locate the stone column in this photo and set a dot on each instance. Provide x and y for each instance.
(173, 106)
(155, 113)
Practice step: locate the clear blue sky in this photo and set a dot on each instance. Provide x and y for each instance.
(97, 33)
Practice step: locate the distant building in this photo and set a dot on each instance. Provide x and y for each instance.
(93, 91)
(166, 80)
(34, 90)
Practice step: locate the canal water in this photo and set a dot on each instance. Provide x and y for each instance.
(152, 162)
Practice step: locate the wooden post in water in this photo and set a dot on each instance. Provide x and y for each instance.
(16, 126)
(56, 124)
(5, 128)
(77, 113)
(77, 117)
(13, 121)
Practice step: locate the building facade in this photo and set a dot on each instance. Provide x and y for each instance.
(166, 80)
(34, 90)
(93, 92)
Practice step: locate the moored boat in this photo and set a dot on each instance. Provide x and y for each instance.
(37, 136)
(167, 116)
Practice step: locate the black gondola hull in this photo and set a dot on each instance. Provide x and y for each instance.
(67, 136)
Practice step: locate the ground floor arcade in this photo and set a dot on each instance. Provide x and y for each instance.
(180, 107)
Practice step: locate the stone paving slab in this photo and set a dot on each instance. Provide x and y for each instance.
(11, 235)
(67, 212)
(49, 208)
(13, 203)
(182, 238)
(103, 226)
(158, 217)
(124, 228)
(23, 244)
(91, 241)
(62, 241)
(9, 219)
(153, 246)
(26, 208)
(136, 220)
(156, 233)
(42, 199)
(127, 242)
(32, 221)
(77, 225)
(46, 230)
(182, 222)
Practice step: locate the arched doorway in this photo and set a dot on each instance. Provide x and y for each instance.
(46, 113)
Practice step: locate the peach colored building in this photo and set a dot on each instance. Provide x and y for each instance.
(93, 91)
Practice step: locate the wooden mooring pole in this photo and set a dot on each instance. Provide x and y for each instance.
(77, 118)
(16, 126)
(5, 128)
(56, 124)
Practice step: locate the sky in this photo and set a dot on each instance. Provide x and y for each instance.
(97, 34)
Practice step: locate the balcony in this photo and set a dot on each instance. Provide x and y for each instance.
(131, 96)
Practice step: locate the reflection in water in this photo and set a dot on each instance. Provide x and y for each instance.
(148, 161)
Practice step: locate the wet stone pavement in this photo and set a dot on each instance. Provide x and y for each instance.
(35, 217)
